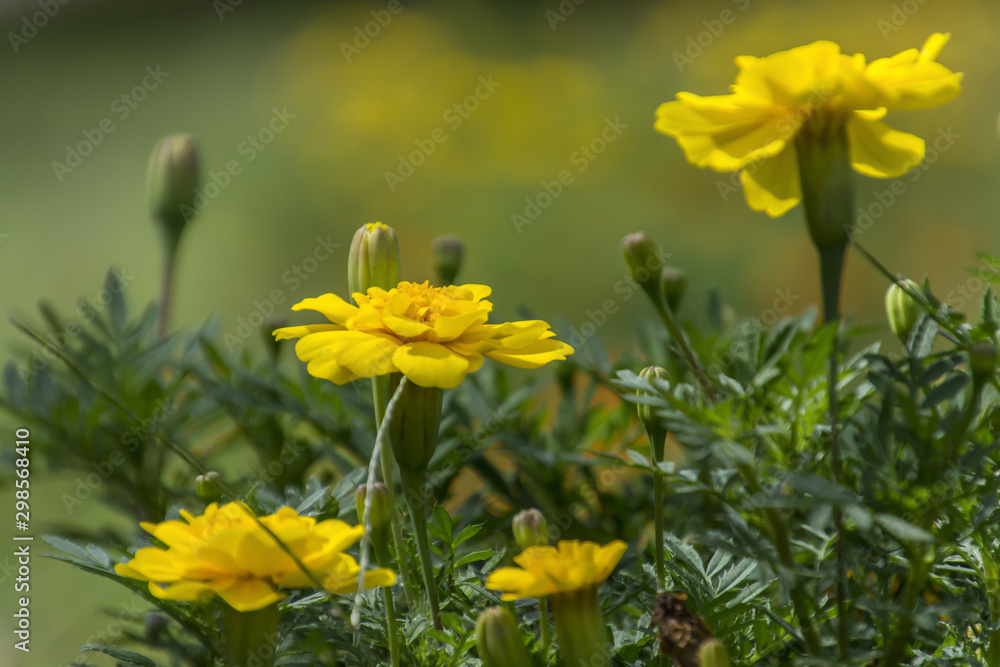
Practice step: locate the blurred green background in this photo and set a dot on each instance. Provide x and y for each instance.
(348, 106)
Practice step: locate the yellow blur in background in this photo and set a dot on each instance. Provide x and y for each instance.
(524, 127)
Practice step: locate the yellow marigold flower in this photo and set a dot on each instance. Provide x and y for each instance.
(224, 552)
(567, 567)
(753, 129)
(433, 335)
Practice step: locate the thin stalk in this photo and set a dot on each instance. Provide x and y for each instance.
(412, 490)
(543, 622)
(782, 543)
(678, 336)
(381, 546)
(918, 575)
(380, 398)
(165, 304)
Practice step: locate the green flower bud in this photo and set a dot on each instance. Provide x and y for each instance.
(414, 427)
(530, 529)
(647, 414)
(982, 360)
(902, 309)
(171, 181)
(153, 625)
(448, 251)
(673, 282)
(208, 487)
(713, 654)
(374, 258)
(644, 262)
(381, 513)
(499, 640)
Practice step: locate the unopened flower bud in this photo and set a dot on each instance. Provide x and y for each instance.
(171, 181)
(448, 252)
(208, 487)
(374, 258)
(643, 260)
(902, 309)
(713, 654)
(381, 512)
(530, 529)
(153, 626)
(982, 360)
(673, 282)
(499, 640)
(647, 413)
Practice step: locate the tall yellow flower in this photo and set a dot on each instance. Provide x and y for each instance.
(568, 574)
(434, 336)
(226, 553)
(754, 129)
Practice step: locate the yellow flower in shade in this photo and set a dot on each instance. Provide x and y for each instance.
(433, 335)
(224, 552)
(753, 129)
(566, 568)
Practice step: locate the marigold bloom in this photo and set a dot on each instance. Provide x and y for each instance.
(752, 130)
(567, 567)
(226, 553)
(435, 336)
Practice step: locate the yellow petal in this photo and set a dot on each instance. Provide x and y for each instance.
(298, 332)
(534, 355)
(185, 591)
(881, 151)
(332, 306)
(404, 326)
(431, 365)
(914, 79)
(724, 132)
(124, 570)
(525, 332)
(248, 594)
(772, 185)
(510, 579)
(363, 354)
(449, 328)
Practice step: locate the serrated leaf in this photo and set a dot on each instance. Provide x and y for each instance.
(637, 457)
(119, 653)
(904, 531)
(474, 557)
(467, 533)
(947, 390)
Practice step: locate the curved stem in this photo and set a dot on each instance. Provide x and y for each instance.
(678, 336)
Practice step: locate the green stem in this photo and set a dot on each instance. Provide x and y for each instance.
(678, 336)
(919, 568)
(782, 543)
(166, 285)
(413, 491)
(583, 636)
(251, 637)
(827, 181)
(380, 542)
(658, 530)
(381, 392)
(543, 622)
